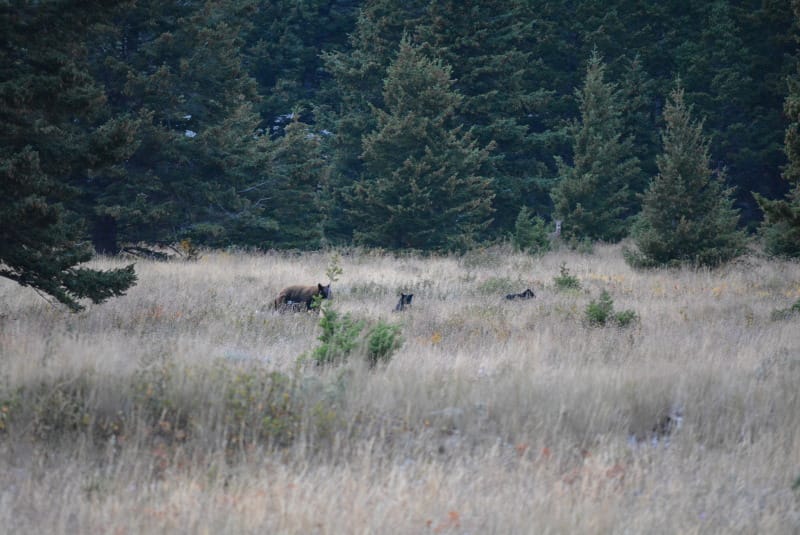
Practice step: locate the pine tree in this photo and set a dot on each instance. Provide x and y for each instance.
(285, 50)
(296, 178)
(637, 95)
(358, 74)
(593, 195)
(687, 214)
(421, 186)
(731, 74)
(781, 226)
(56, 132)
(530, 233)
(486, 42)
(179, 69)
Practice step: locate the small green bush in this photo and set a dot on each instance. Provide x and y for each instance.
(382, 341)
(530, 233)
(340, 336)
(598, 313)
(601, 313)
(9, 403)
(786, 313)
(565, 280)
(625, 318)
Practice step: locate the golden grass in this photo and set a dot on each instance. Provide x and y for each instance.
(155, 412)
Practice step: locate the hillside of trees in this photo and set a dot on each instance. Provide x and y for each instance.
(424, 124)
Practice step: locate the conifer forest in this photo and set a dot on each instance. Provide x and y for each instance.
(425, 124)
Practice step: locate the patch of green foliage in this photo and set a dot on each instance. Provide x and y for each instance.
(340, 336)
(382, 341)
(565, 280)
(786, 313)
(343, 335)
(9, 404)
(601, 313)
(334, 268)
(530, 233)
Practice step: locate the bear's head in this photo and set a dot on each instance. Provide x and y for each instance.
(324, 291)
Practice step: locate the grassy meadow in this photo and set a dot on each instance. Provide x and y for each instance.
(184, 407)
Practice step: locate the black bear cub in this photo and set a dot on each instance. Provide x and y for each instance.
(405, 301)
(527, 294)
(294, 295)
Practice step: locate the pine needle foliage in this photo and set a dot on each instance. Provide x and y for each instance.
(687, 214)
(422, 187)
(781, 227)
(55, 135)
(594, 194)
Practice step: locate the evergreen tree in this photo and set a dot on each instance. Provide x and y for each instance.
(687, 214)
(359, 73)
(638, 95)
(421, 186)
(729, 84)
(295, 180)
(486, 44)
(530, 233)
(285, 50)
(594, 195)
(781, 226)
(55, 132)
(178, 68)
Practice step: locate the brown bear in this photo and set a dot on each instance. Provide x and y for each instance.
(294, 295)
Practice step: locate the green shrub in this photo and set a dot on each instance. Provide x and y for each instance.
(334, 268)
(530, 233)
(601, 313)
(565, 280)
(343, 335)
(786, 313)
(154, 390)
(625, 318)
(382, 341)
(8, 406)
(340, 336)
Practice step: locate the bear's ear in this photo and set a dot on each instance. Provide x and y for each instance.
(320, 287)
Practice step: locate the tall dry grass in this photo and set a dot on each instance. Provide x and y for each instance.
(161, 411)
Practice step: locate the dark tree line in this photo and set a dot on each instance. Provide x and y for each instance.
(428, 124)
